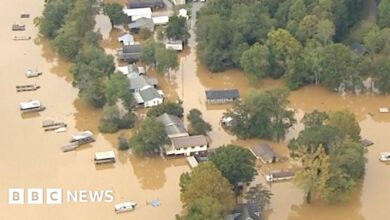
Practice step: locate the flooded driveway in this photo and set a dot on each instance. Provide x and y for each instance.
(31, 158)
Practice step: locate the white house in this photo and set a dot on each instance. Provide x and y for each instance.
(160, 20)
(137, 13)
(149, 97)
(126, 39)
(187, 145)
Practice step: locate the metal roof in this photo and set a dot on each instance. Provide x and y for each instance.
(189, 141)
(222, 94)
(173, 124)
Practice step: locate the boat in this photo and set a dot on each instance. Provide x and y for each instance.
(18, 27)
(125, 207)
(31, 106)
(26, 88)
(24, 15)
(32, 73)
(82, 137)
(104, 157)
(385, 157)
(21, 38)
(279, 175)
(61, 129)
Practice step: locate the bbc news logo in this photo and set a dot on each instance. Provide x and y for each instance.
(56, 196)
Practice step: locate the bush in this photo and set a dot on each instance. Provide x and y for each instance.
(123, 142)
(145, 33)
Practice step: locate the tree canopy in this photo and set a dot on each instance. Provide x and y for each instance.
(331, 155)
(115, 12)
(177, 28)
(261, 115)
(166, 107)
(236, 163)
(197, 124)
(149, 138)
(205, 193)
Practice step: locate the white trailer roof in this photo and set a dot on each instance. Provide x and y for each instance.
(30, 104)
(160, 20)
(104, 155)
(138, 12)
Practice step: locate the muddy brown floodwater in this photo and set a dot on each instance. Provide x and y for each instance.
(31, 158)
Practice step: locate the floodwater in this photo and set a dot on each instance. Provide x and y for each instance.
(31, 158)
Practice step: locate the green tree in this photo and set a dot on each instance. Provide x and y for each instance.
(373, 40)
(148, 52)
(123, 142)
(255, 63)
(197, 124)
(53, 17)
(262, 115)
(166, 107)
(114, 119)
(177, 28)
(92, 93)
(259, 195)
(68, 42)
(145, 33)
(217, 193)
(117, 86)
(346, 123)
(82, 16)
(166, 59)
(325, 31)
(115, 12)
(384, 13)
(381, 76)
(93, 38)
(149, 138)
(236, 163)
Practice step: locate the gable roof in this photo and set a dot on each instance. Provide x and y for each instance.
(173, 124)
(222, 94)
(145, 3)
(149, 93)
(189, 141)
(135, 48)
(137, 11)
(139, 82)
(142, 23)
(263, 151)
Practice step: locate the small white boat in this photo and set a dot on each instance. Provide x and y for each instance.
(59, 130)
(125, 207)
(383, 110)
(81, 136)
(385, 157)
(32, 73)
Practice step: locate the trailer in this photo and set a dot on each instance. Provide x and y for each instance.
(104, 157)
(27, 88)
(32, 73)
(278, 175)
(31, 106)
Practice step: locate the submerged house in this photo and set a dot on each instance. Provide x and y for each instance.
(136, 13)
(149, 97)
(174, 127)
(222, 96)
(129, 53)
(153, 4)
(181, 142)
(264, 153)
(141, 23)
(187, 145)
(137, 83)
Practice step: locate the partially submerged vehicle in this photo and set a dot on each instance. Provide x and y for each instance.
(31, 106)
(125, 207)
(18, 27)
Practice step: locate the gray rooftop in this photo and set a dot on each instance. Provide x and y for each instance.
(189, 141)
(138, 82)
(173, 124)
(222, 94)
(263, 151)
(149, 93)
(142, 23)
